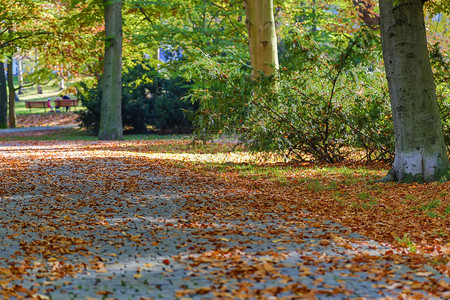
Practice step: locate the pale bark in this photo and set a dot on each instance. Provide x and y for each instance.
(36, 68)
(62, 84)
(111, 108)
(3, 98)
(420, 151)
(20, 69)
(262, 36)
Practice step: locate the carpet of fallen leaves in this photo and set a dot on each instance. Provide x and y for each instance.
(413, 218)
(46, 119)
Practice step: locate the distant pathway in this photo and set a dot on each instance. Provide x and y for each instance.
(40, 128)
(82, 220)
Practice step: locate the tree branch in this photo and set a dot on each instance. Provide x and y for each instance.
(367, 14)
(10, 42)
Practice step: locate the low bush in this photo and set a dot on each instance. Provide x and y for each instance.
(321, 104)
(151, 101)
(440, 62)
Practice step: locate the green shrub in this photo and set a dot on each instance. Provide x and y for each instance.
(440, 62)
(150, 100)
(325, 102)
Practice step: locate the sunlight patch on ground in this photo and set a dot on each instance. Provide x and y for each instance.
(240, 157)
(65, 149)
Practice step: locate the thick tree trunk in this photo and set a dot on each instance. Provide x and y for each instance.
(111, 109)
(3, 98)
(262, 36)
(11, 95)
(420, 151)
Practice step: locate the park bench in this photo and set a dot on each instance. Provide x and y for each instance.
(36, 104)
(68, 103)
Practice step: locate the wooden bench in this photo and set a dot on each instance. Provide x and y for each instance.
(68, 103)
(36, 104)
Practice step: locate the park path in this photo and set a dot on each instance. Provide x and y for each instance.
(39, 128)
(93, 220)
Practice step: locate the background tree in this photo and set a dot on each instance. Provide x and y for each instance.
(13, 14)
(184, 26)
(65, 31)
(111, 109)
(73, 49)
(3, 98)
(420, 151)
(11, 93)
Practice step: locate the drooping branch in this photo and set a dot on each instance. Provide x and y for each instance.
(23, 37)
(146, 17)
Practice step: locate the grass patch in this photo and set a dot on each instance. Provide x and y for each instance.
(406, 242)
(49, 135)
(432, 209)
(316, 185)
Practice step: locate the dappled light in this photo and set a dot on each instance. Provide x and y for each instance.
(252, 149)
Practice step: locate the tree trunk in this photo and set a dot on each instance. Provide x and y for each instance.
(11, 95)
(111, 108)
(20, 70)
(420, 151)
(62, 84)
(262, 36)
(3, 98)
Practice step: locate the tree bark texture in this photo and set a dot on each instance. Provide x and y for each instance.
(420, 151)
(262, 36)
(11, 94)
(3, 98)
(111, 107)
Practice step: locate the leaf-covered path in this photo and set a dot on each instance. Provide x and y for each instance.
(114, 220)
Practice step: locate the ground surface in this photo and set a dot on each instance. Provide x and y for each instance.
(47, 119)
(119, 220)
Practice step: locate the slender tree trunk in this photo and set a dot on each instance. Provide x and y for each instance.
(36, 68)
(111, 108)
(12, 95)
(420, 151)
(262, 36)
(20, 69)
(62, 83)
(3, 98)
(39, 88)
(156, 55)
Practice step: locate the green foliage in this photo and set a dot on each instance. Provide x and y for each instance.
(325, 104)
(188, 24)
(432, 209)
(405, 241)
(441, 70)
(150, 100)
